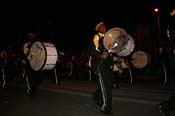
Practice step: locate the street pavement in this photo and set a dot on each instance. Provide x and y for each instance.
(74, 98)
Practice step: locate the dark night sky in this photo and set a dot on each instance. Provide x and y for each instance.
(72, 22)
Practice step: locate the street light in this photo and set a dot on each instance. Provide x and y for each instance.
(157, 41)
(157, 11)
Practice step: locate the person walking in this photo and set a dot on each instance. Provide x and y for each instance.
(166, 107)
(102, 66)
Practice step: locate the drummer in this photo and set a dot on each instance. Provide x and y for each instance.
(102, 64)
(33, 78)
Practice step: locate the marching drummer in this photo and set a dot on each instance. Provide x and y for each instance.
(166, 107)
(101, 64)
(33, 78)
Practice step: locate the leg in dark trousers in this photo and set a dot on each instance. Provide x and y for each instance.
(106, 83)
(9, 74)
(116, 80)
(98, 94)
(34, 79)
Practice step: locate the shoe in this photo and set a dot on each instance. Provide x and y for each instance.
(116, 86)
(98, 102)
(106, 112)
(7, 87)
(163, 111)
(30, 93)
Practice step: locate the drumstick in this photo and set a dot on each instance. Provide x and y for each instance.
(115, 44)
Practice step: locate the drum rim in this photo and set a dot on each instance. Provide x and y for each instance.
(126, 52)
(45, 55)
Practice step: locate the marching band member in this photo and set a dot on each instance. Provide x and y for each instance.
(102, 64)
(33, 78)
(167, 106)
(8, 66)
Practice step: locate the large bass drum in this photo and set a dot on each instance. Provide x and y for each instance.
(116, 40)
(140, 59)
(42, 56)
(128, 48)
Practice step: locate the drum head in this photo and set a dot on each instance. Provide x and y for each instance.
(115, 39)
(140, 59)
(37, 56)
(128, 48)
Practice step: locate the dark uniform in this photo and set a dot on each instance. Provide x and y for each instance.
(166, 107)
(169, 52)
(9, 68)
(33, 78)
(104, 75)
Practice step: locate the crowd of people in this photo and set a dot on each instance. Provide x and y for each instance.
(16, 65)
(102, 64)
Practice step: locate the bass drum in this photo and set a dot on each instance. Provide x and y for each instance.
(117, 40)
(42, 56)
(140, 59)
(128, 48)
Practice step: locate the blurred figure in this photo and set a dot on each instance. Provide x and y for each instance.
(120, 65)
(102, 65)
(8, 66)
(3, 62)
(33, 78)
(166, 107)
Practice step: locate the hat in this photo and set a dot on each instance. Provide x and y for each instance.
(98, 25)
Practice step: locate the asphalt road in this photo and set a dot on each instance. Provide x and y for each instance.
(73, 98)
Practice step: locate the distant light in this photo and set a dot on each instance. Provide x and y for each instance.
(156, 9)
